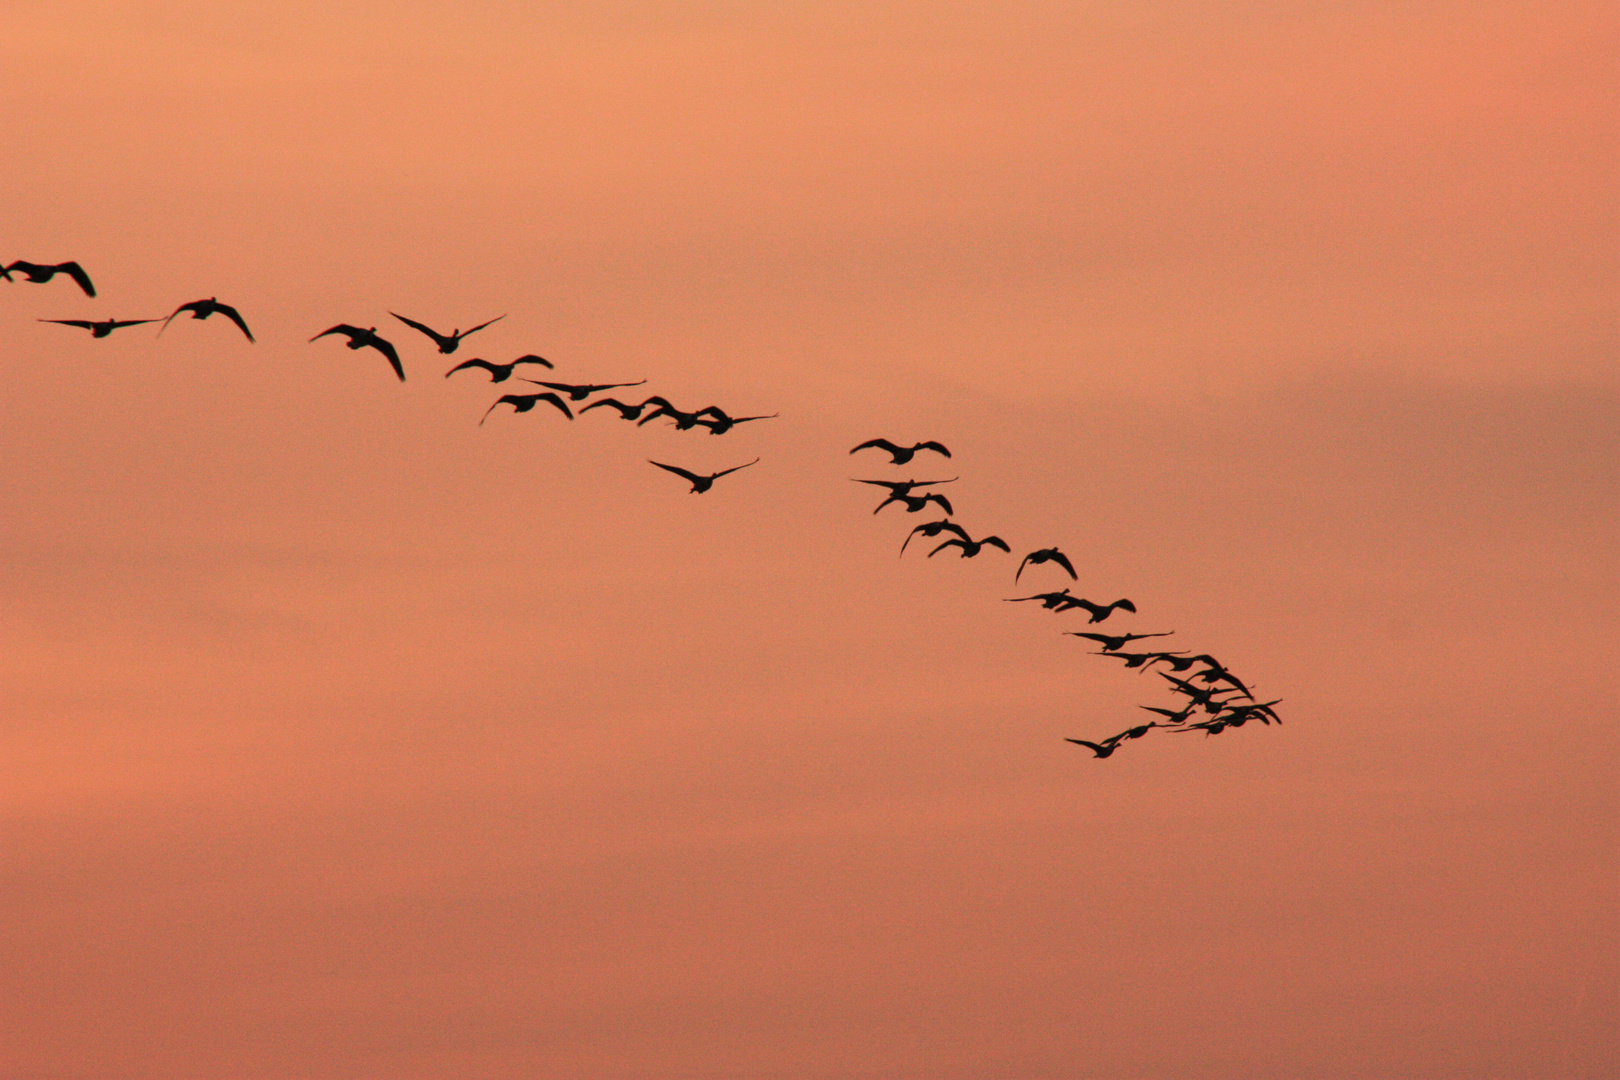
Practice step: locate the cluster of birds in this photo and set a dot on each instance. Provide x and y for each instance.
(1212, 698)
(556, 394)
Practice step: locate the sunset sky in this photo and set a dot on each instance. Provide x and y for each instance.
(344, 738)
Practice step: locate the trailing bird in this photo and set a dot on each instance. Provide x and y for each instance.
(524, 402)
(40, 273)
(580, 393)
(722, 423)
(1109, 642)
(1102, 749)
(448, 343)
(1143, 660)
(102, 328)
(498, 372)
(1052, 555)
(914, 503)
(700, 484)
(1171, 718)
(932, 529)
(1099, 612)
(903, 454)
(900, 491)
(1051, 601)
(970, 548)
(360, 339)
(202, 309)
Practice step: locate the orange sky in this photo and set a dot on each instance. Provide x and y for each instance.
(345, 738)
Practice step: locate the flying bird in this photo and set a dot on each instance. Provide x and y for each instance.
(40, 273)
(914, 503)
(903, 454)
(1099, 612)
(684, 421)
(722, 423)
(903, 487)
(700, 484)
(447, 343)
(102, 328)
(201, 309)
(498, 372)
(524, 402)
(1102, 749)
(1108, 642)
(1143, 660)
(360, 339)
(932, 529)
(970, 548)
(1052, 555)
(581, 392)
(1051, 601)
(626, 412)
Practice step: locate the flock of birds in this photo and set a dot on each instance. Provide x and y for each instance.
(1208, 696)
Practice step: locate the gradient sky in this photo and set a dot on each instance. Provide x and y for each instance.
(345, 739)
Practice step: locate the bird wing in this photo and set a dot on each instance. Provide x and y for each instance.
(76, 272)
(881, 444)
(414, 325)
(557, 401)
(117, 323)
(996, 541)
(475, 362)
(193, 307)
(388, 350)
(481, 325)
(87, 324)
(1125, 605)
(1063, 561)
(1102, 639)
(718, 475)
(938, 448)
(949, 543)
(944, 503)
(350, 332)
(1021, 569)
(890, 484)
(530, 358)
(567, 388)
(235, 317)
(678, 471)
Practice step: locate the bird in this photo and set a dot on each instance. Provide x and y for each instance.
(580, 393)
(684, 421)
(1216, 672)
(1099, 612)
(914, 503)
(1142, 660)
(1108, 642)
(722, 423)
(102, 328)
(1204, 696)
(1102, 749)
(1172, 718)
(201, 309)
(498, 372)
(1051, 554)
(932, 529)
(448, 343)
(39, 273)
(626, 412)
(524, 402)
(359, 339)
(903, 487)
(970, 548)
(1051, 601)
(700, 484)
(902, 454)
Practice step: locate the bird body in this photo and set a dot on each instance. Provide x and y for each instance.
(40, 273)
(902, 454)
(101, 328)
(360, 339)
(447, 343)
(700, 484)
(202, 309)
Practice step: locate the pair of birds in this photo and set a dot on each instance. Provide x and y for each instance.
(199, 309)
(448, 343)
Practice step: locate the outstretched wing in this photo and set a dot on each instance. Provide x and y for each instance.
(493, 369)
(192, 307)
(76, 272)
(481, 325)
(388, 350)
(85, 323)
(677, 470)
(734, 468)
(414, 325)
(944, 503)
(1063, 561)
(996, 541)
(557, 401)
(938, 448)
(949, 543)
(529, 358)
(235, 317)
(881, 444)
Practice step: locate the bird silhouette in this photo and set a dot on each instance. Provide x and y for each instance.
(1143, 660)
(700, 484)
(360, 339)
(202, 309)
(581, 392)
(102, 328)
(1172, 718)
(1215, 671)
(1206, 697)
(1045, 555)
(40, 273)
(448, 343)
(903, 454)
(524, 402)
(498, 372)
(1108, 642)
(914, 503)
(932, 529)
(1051, 601)
(626, 412)
(684, 421)
(970, 548)
(903, 487)
(1102, 749)
(1099, 612)
(720, 423)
